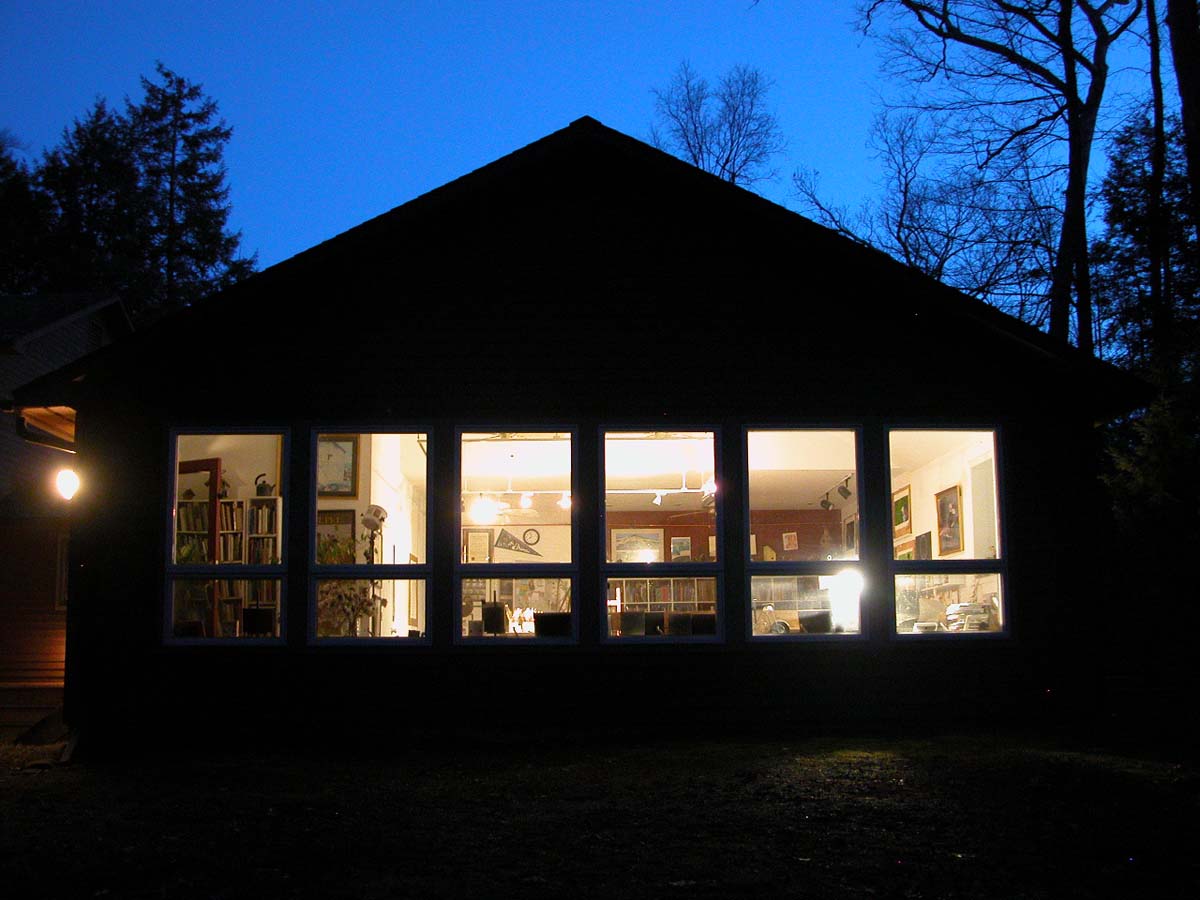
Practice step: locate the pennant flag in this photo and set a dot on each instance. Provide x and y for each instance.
(505, 540)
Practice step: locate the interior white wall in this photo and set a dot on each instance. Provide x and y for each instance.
(945, 471)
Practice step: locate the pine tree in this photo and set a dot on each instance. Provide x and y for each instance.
(91, 181)
(24, 224)
(179, 143)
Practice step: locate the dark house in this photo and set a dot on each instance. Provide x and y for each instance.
(38, 334)
(587, 436)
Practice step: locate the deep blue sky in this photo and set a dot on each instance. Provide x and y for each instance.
(343, 110)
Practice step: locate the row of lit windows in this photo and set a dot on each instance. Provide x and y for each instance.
(517, 573)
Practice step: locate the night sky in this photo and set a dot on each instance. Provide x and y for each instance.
(342, 111)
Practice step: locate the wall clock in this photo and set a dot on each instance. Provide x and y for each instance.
(531, 536)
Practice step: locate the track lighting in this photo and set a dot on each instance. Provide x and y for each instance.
(657, 501)
(825, 504)
(844, 489)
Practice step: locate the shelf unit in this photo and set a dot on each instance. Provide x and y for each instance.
(262, 530)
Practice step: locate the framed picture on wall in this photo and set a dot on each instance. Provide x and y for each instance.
(850, 533)
(337, 465)
(902, 511)
(906, 549)
(791, 540)
(637, 545)
(949, 520)
(477, 545)
(681, 548)
(335, 537)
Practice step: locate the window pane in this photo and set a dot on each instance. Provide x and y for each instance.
(944, 495)
(803, 495)
(516, 607)
(371, 498)
(640, 607)
(660, 497)
(806, 604)
(228, 501)
(365, 608)
(516, 497)
(948, 603)
(225, 608)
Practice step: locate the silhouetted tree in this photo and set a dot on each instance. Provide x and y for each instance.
(990, 238)
(1027, 74)
(24, 223)
(1183, 20)
(727, 130)
(91, 181)
(178, 143)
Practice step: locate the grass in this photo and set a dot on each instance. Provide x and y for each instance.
(971, 816)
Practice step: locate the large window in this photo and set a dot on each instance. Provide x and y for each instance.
(947, 553)
(370, 534)
(804, 533)
(516, 552)
(660, 534)
(225, 564)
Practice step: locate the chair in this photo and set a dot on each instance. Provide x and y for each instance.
(258, 621)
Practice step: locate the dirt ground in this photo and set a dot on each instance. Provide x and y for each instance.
(937, 816)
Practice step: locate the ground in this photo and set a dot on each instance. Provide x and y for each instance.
(930, 816)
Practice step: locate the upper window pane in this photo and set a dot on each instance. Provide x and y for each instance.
(516, 497)
(659, 496)
(228, 499)
(371, 498)
(944, 495)
(803, 495)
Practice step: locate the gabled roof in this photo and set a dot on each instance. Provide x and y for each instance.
(25, 318)
(591, 225)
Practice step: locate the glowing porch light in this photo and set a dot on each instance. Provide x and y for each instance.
(67, 483)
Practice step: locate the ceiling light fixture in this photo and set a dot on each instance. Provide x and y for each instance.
(825, 504)
(844, 489)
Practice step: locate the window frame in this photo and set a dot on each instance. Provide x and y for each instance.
(799, 568)
(175, 572)
(998, 566)
(422, 571)
(665, 569)
(463, 570)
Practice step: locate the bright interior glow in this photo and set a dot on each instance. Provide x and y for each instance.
(67, 483)
(484, 511)
(845, 589)
(526, 500)
(564, 502)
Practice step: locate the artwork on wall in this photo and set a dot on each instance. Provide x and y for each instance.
(637, 545)
(949, 520)
(924, 545)
(477, 545)
(337, 465)
(681, 548)
(902, 512)
(850, 533)
(791, 540)
(335, 537)
(906, 549)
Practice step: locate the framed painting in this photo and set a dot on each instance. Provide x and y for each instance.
(477, 545)
(335, 537)
(906, 549)
(850, 533)
(902, 512)
(681, 548)
(791, 540)
(337, 465)
(637, 545)
(949, 520)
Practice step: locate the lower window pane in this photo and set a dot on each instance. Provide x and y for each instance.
(516, 607)
(225, 608)
(806, 604)
(948, 603)
(652, 607)
(367, 608)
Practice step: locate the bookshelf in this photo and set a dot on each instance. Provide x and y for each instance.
(262, 530)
